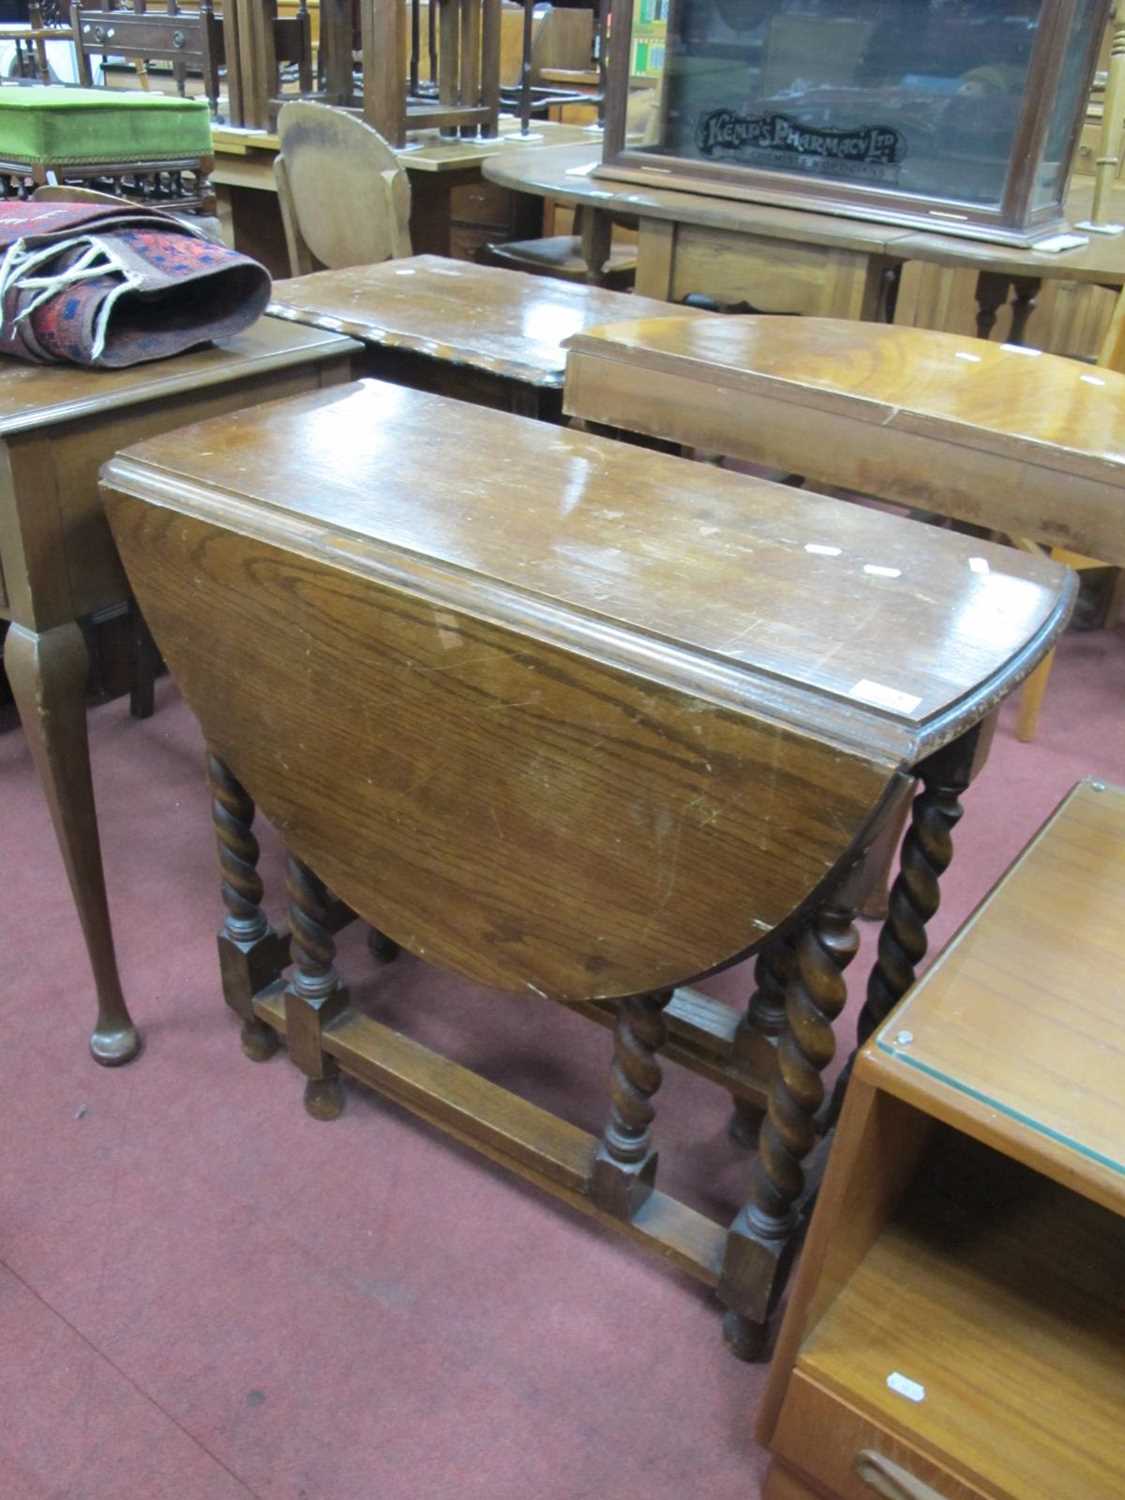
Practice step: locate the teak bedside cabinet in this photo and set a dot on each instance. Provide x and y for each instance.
(956, 1330)
(575, 720)
(58, 563)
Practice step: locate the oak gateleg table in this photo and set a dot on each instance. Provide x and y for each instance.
(575, 720)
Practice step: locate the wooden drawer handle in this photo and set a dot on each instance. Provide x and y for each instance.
(890, 1481)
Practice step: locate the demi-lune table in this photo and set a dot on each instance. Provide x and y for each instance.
(573, 719)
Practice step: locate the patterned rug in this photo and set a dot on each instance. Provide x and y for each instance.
(90, 284)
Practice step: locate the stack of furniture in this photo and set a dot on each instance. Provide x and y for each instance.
(391, 92)
(166, 32)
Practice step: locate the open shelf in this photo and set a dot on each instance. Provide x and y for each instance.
(1000, 1293)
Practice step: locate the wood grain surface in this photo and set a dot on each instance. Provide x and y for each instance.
(496, 320)
(563, 715)
(999, 1293)
(1043, 958)
(870, 629)
(1022, 442)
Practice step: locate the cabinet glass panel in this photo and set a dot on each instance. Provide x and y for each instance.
(1050, 179)
(919, 97)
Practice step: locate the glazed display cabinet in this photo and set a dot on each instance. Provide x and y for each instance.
(958, 115)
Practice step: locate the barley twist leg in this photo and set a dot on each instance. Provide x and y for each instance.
(248, 956)
(314, 996)
(763, 1238)
(625, 1164)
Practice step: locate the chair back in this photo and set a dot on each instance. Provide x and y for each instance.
(345, 198)
(166, 33)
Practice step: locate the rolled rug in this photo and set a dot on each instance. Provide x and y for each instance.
(89, 284)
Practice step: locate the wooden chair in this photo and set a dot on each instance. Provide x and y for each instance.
(588, 254)
(185, 38)
(345, 198)
(31, 43)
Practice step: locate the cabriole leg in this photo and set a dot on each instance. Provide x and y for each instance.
(47, 671)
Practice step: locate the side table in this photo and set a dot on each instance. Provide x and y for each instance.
(957, 1328)
(58, 562)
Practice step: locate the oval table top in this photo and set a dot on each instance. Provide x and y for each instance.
(564, 715)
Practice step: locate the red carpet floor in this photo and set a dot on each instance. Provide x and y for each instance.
(205, 1293)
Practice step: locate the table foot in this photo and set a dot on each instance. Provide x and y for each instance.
(113, 1046)
(259, 1041)
(324, 1097)
(746, 1340)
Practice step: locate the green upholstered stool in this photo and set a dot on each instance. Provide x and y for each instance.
(138, 145)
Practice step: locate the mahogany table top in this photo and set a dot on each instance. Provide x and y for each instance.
(488, 318)
(824, 612)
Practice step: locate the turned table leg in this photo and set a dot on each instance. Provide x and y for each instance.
(915, 896)
(754, 1048)
(625, 1164)
(992, 293)
(250, 953)
(1023, 305)
(314, 996)
(926, 853)
(47, 673)
(762, 1239)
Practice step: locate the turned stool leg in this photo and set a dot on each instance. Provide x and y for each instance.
(754, 1049)
(314, 996)
(250, 954)
(762, 1239)
(625, 1164)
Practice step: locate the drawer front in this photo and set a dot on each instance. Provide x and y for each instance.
(841, 1450)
